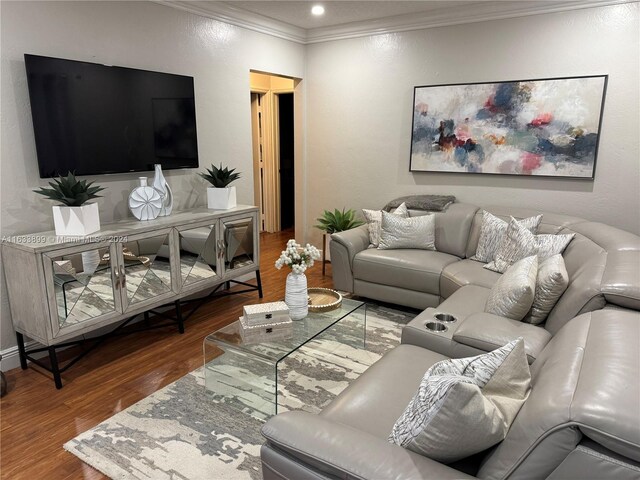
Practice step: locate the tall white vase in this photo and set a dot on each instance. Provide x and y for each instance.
(296, 296)
(161, 185)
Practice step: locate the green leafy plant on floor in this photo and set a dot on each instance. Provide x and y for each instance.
(70, 191)
(220, 177)
(338, 221)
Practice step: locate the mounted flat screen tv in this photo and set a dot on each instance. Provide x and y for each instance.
(93, 119)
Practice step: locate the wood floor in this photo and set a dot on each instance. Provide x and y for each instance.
(36, 419)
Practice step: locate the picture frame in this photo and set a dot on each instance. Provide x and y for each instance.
(548, 127)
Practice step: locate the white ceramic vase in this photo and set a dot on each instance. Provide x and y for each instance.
(221, 198)
(296, 296)
(161, 185)
(145, 202)
(81, 220)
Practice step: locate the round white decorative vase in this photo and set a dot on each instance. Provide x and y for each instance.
(296, 296)
(161, 185)
(145, 202)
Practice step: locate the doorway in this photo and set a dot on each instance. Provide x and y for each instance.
(272, 126)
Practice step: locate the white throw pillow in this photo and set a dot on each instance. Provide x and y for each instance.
(551, 282)
(415, 232)
(374, 219)
(549, 245)
(512, 295)
(518, 243)
(465, 405)
(492, 233)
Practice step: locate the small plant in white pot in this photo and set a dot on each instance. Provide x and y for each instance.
(75, 216)
(220, 195)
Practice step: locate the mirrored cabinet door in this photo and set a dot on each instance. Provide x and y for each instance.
(238, 242)
(146, 268)
(81, 285)
(198, 254)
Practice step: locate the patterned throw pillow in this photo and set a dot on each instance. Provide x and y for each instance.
(465, 405)
(374, 219)
(415, 232)
(492, 233)
(549, 245)
(518, 243)
(551, 282)
(513, 294)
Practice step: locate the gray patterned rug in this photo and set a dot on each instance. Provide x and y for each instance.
(184, 432)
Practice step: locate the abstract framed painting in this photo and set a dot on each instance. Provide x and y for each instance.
(548, 127)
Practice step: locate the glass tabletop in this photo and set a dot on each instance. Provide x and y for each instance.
(245, 374)
(302, 332)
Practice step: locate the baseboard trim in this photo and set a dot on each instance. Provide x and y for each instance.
(11, 357)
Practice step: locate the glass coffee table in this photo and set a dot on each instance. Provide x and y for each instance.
(245, 375)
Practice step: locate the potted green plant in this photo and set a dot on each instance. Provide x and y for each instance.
(220, 195)
(336, 221)
(75, 216)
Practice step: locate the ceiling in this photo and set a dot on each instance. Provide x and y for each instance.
(293, 20)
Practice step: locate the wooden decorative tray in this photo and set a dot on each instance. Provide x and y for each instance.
(323, 299)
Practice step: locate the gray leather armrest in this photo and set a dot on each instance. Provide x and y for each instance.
(487, 331)
(354, 240)
(345, 452)
(621, 279)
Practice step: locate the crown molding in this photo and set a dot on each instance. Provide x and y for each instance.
(482, 12)
(227, 13)
(441, 18)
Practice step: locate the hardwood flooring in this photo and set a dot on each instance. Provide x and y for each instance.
(36, 419)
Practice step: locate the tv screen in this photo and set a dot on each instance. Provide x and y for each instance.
(94, 119)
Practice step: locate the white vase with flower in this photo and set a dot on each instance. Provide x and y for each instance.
(299, 259)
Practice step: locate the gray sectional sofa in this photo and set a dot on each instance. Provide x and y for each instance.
(582, 417)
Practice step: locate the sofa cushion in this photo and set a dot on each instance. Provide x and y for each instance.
(367, 405)
(411, 269)
(466, 405)
(417, 232)
(551, 282)
(374, 219)
(512, 295)
(492, 233)
(465, 272)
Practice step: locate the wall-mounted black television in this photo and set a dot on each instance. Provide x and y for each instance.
(94, 119)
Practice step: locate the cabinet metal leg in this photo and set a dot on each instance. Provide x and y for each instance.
(179, 316)
(55, 369)
(227, 285)
(146, 319)
(22, 353)
(259, 281)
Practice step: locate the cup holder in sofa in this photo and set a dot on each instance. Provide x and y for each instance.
(445, 317)
(436, 326)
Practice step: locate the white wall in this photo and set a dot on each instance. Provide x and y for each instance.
(140, 35)
(359, 111)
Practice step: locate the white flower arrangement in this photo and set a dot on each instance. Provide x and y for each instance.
(298, 258)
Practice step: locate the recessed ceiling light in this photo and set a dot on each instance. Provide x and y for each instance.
(317, 10)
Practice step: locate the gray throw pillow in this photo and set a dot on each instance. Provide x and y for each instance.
(518, 243)
(414, 232)
(374, 219)
(549, 245)
(492, 233)
(551, 282)
(512, 295)
(465, 405)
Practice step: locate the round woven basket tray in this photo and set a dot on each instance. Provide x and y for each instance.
(323, 299)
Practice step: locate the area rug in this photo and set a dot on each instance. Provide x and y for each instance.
(186, 432)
